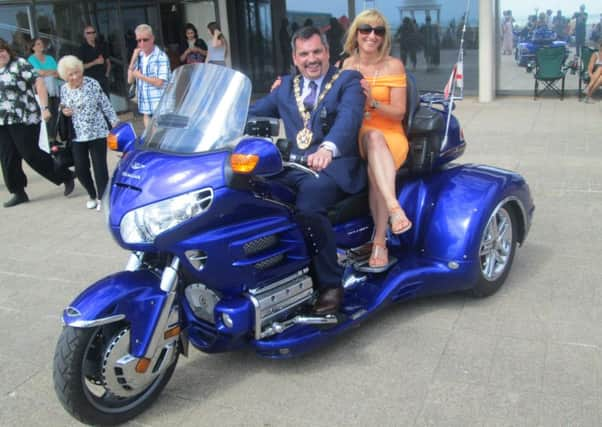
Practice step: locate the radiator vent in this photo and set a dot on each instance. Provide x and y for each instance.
(269, 262)
(258, 245)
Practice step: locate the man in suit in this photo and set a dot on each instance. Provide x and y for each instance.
(322, 111)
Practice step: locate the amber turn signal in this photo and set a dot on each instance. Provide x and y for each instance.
(112, 142)
(142, 365)
(173, 332)
(243, 163)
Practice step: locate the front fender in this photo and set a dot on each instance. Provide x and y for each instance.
(132, 296)
(467, 197)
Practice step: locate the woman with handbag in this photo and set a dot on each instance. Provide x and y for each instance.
(20, 118)
(84, 101)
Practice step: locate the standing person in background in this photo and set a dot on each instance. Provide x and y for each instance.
(20, 118)
(194, 49)
(580, 27)
(45, 66)
(559, 24)
(507, 35)
(334, 35)
(284, 38)
(218, 46)
(408, 42)
(83, 100)
(95, 57)
(428, 34)
(149, 67)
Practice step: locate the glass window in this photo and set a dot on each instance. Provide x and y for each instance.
(428, 43)
(61, 23)
(15, 28)
(427, 36)
(331, 17)
(524, 27)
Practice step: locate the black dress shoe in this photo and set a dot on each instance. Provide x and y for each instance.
(69, 186)
(329, 301)
(17, 199)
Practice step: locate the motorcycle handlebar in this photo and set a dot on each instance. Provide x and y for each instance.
(291, 160)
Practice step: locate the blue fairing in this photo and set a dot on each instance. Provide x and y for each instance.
(136, 295)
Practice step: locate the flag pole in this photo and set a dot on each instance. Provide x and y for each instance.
(458, 68)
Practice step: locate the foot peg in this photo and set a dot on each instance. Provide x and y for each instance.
(278, 327)
(364, 266)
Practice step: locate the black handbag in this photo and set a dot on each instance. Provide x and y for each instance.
(61, 149)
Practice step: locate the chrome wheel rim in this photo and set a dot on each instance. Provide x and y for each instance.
(97, 394)
(496, 245)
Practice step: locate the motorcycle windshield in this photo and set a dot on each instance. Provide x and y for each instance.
(203, 108)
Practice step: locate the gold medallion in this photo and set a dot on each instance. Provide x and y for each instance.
(305, 135)
(304, 138)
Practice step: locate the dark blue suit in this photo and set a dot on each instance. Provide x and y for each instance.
(337, 118)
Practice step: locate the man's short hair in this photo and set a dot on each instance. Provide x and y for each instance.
(305, 33)
(144, 28)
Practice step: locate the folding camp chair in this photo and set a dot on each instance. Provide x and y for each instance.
(586, 54)
(550, 70)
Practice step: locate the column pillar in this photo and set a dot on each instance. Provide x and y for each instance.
(487, 35)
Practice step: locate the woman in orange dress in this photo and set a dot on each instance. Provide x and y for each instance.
(382, 140)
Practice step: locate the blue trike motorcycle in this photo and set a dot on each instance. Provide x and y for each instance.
(525, 50)
(220, 259)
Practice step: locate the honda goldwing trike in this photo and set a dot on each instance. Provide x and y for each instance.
(220, 259)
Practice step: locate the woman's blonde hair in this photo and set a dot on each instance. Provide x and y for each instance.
(368, 16)
(69, 62)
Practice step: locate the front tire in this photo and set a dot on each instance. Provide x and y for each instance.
(78, 377)
(496, 251)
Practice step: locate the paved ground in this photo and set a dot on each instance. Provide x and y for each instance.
(527, 356)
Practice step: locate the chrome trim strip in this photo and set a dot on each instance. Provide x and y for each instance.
(169, 279)
(96, 322)
(257, 291)
(134, 261)
(522, 211)
(257, 316)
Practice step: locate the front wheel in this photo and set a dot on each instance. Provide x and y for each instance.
(496, 251)
(95, 377)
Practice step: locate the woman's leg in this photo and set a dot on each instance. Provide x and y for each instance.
(82, 167)
(378, 208)
(98, 152)
(25, 139)
(596, 83)
(593, 81)
(382, 166)
(10, 159)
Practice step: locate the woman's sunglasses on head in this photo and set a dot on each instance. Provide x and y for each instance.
(366, 29)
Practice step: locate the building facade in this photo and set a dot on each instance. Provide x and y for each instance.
(258, 32)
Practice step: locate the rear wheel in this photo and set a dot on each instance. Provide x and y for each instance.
(496, 251)
(95, 377)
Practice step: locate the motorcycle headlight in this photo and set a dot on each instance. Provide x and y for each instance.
(144, 224)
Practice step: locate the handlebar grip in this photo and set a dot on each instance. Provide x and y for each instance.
(299, 159)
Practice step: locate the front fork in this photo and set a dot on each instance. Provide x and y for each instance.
(168, 325)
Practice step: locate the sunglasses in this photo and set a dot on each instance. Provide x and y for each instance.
(366, 29)
(142, 40)
(90, 32)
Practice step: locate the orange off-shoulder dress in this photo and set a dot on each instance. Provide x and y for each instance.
(380, 88)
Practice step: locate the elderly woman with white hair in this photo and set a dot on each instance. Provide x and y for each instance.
(84, 101)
